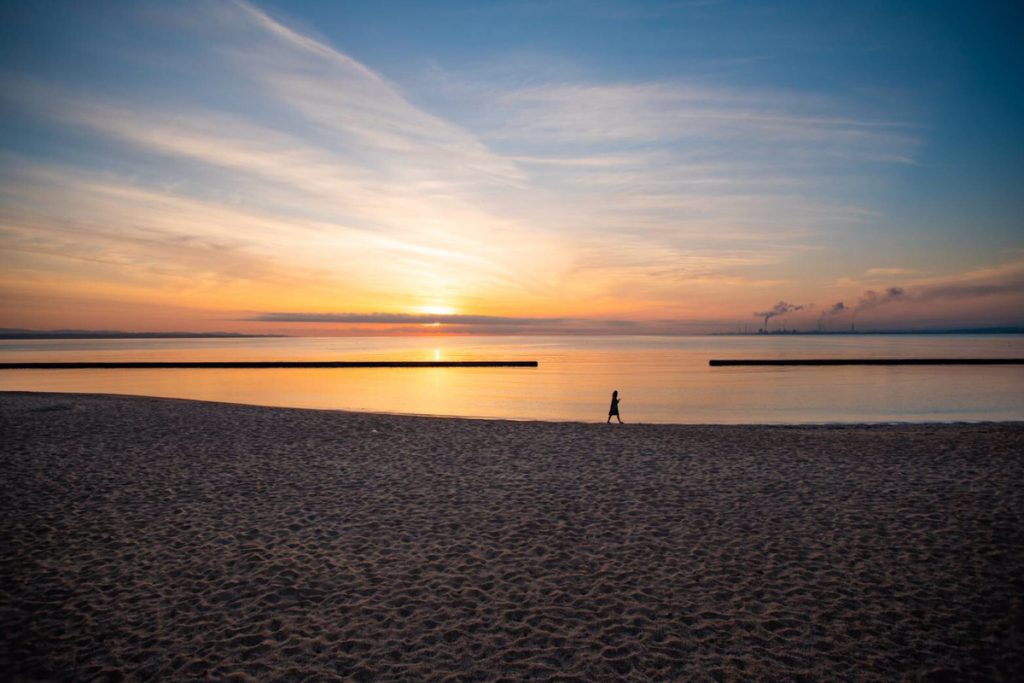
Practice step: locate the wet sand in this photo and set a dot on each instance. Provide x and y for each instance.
(173, 540)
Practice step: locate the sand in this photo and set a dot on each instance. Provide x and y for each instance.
(176, 540)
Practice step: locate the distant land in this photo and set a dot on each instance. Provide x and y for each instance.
(8, 333)
(16, 333)
(958, 330)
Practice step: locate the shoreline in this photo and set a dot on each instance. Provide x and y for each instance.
(525, 420)
(172, 538)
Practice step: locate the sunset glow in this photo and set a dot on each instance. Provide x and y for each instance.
(435, 310)
(330, 169)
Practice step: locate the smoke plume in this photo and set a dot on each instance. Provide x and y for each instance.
(1004, 281)
(781, 308)
(871, 298)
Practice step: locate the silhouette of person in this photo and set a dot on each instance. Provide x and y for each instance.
(614, 409)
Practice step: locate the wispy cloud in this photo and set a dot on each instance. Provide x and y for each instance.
(381, 318)
(666, 113)
(988, 281)
(320, 179)
(887, 272)
(349, 99)
(404, 323)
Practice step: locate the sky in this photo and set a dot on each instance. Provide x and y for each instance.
(511, 167)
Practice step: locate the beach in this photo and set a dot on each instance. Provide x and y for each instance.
(168, 539)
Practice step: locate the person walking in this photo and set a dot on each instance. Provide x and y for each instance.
(614, 409)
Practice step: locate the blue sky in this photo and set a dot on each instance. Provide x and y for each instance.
(576, 166)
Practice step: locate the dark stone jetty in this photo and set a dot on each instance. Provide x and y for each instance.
(274, 364)
(868, 361)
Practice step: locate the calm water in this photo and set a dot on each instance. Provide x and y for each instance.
(660, 379)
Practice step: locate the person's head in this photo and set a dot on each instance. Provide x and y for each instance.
(615, 392)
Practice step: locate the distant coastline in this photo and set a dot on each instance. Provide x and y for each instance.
(117, 334)
(9, 334)
(854, 333)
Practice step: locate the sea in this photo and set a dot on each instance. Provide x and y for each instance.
(659, 379)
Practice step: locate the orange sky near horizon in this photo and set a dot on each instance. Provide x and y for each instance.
(226, 167)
